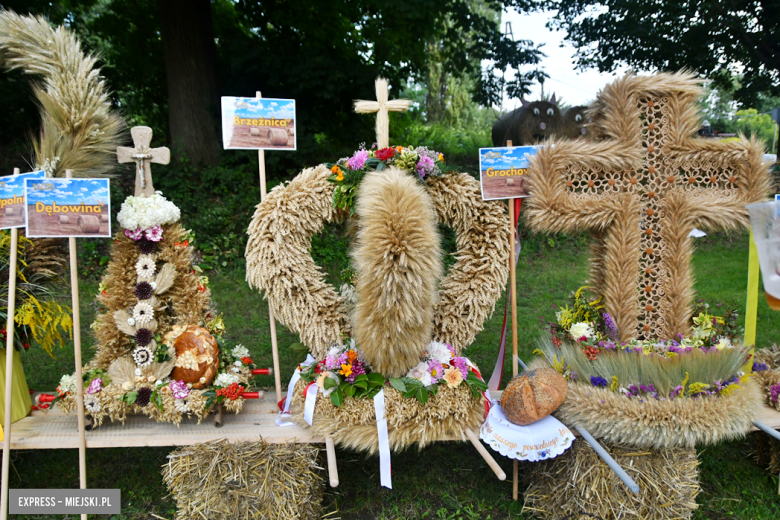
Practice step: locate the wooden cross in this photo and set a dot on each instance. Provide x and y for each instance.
(143, 156)
(641, 189)
(382, 107)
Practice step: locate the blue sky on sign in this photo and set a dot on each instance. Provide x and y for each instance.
(69, 191)
(505, 157)
(13, 185)
(256, 108)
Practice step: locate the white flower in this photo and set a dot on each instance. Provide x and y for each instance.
(439, 351)
(418, 371)
(127, 385)
(138, 371)
(426, 379)
(143, 313)
(334, 351)
(146, 212)
(145, 267)
(235, 370)
(158, 382)
(182, 405)
(92, 404)
(131, 322)
(723, 343)
(237, 363)
(68, 383)
(581, 329)
(154, 285)
(143, 356)
(239, 351)
(224, 380)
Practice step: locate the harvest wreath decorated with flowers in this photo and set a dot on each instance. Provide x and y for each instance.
(160, 347)
(406, 321)
(671, 386)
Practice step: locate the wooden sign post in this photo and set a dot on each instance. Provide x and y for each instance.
(271, 317)
(74, 287)
(9, 366)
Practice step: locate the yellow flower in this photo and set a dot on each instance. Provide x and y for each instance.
(441, 157)
(614, 385)
(346, 370)
(453, 377)
(338, 172)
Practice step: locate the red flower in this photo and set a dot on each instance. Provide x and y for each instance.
(26, 346)
(247, 360)
(591, 352)
(385, 153)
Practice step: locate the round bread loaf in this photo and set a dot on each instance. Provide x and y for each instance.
(197, 355)
(533, 395)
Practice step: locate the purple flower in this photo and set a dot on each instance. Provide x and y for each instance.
(134, 235)
(95, 386)
(357, 369)
(610, 326)
(460, 364)
(357, 161)
(759, 367)
(633, 390)
(598, 381)
(676, 391)
(332, 362)
(154, 234)
(436, 370)
(774, 390)
(179, 389)
(424, 166)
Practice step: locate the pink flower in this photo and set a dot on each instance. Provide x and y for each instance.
(95, 386)
(357, 161)
(424, 166)
(154, 234)
(460, 364)
(179, 389)
(436, 370)
(134, 235)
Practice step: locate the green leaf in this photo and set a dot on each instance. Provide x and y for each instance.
(209, 402)
(130, 397)
(361, 377)
(330, 383)
(298, 347)
(399, 384)
(422, 395)
(363, 385)
(348, 389)
(432, 389)
(157, 398)
(377, 379)
(337, 397)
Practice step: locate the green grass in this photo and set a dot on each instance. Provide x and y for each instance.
(444, 481)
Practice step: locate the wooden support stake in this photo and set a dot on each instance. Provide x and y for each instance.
(9, 366)
(333, 470)
(218, 416)
(485, 455)
(513, 292)
(74, 287)
(271, 318)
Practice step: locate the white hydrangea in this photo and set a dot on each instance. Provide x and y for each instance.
(146, 212)
(724, 343)
(239, 351)
(68, 383)
(225, 380)
(439, 351)
(581, 329)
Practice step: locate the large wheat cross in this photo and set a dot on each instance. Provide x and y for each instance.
(382, 107)
(143, 155)
(641, 188)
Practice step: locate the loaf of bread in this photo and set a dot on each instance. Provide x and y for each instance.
(533, 395)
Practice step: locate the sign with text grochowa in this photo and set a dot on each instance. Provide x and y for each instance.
(68, 208)
(502, 171)
(258, 124)
(12, 199)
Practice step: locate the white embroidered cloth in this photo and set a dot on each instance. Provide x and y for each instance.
(545, 439)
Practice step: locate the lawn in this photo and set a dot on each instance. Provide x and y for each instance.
(445, 481)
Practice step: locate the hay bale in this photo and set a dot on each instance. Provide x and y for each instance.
(579, 484)
(278, 136)
(765, 451)
(221, 480)
(10, 211)
(104, 217)
(89, 224)
(63, 219)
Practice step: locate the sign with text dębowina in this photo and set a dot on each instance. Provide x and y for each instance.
(68, 208)
(258, 124)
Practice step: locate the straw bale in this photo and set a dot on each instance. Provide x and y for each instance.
(578, 484)
(221, 481)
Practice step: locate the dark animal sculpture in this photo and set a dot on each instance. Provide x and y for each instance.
(575, 120)
(530, 124)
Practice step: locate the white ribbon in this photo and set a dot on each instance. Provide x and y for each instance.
(385, 477)
(311, 400)
(282, 419)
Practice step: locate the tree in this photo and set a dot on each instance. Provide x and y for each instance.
(713, 37)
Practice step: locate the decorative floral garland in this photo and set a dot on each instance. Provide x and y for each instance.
(348, 172)
(345, 373)
(588, 338)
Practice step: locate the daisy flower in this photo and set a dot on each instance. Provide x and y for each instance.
(145, 267)
(143, 313)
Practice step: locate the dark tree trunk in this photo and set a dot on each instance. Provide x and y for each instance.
(193, 98)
